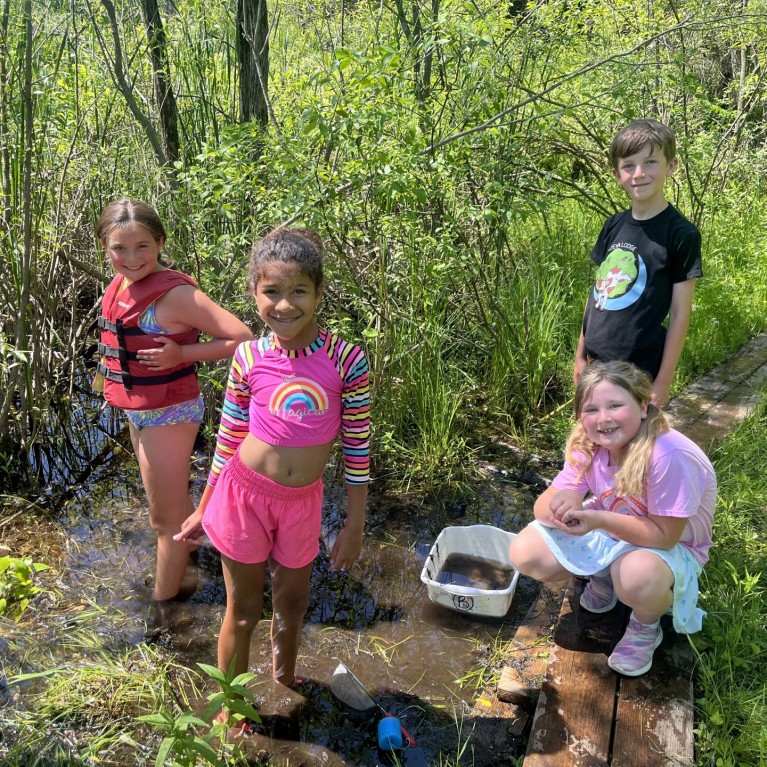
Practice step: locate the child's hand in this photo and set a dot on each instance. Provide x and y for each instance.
(346, 549)
(568, 514)
(164, 358)
(581, 363)
(564, 501)
(191, 528)
(574, 522)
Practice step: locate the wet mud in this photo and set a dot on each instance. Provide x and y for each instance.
(423, 663)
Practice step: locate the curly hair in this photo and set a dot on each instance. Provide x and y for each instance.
(303, 247)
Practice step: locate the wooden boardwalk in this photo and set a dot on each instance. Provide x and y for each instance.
(585, 715)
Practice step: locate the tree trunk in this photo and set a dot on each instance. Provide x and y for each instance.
(253, 56)
(17, 378)
(166, 101)
(422, 47)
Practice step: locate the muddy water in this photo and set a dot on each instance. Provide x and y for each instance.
(415, 658)
(475, 572)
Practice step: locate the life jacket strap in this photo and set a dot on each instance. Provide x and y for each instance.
(112, 327)
(120, 377)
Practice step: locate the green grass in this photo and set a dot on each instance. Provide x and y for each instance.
(731, 651)
(730, 302)
(88, 709)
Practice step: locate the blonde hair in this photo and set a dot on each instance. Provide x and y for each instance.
(631, 477)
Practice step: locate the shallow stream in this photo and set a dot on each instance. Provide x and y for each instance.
(419, 661)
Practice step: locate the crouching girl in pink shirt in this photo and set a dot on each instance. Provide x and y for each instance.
(632, 508)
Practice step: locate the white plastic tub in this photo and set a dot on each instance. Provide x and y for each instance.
(481, 542)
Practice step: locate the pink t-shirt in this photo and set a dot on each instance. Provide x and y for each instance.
(681, 483)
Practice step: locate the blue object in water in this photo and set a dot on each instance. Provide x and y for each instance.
(389, 734)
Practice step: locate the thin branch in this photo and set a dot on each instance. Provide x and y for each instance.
(117, 72)
(489, 123)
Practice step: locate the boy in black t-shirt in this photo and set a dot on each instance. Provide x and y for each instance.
(648, 259)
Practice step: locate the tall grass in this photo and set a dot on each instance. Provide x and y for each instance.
(423, 400)
(529, 339)
(731, 673)
(730, 304)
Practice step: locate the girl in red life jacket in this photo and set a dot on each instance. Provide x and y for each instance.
(151, 319)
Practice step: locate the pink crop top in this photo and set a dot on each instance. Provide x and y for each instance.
(298, 398)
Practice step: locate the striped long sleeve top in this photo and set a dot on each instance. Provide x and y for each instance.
(298, 398)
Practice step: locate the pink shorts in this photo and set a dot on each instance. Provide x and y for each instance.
(250, 518)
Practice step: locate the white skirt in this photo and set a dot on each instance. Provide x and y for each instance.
(594, 552)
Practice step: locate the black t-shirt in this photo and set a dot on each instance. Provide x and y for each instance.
(638, 263)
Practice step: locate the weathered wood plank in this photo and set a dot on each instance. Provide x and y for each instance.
(573, 720)
(528, 651)
(708, 408)
(654, 715)
(718, 420)
(575, 708)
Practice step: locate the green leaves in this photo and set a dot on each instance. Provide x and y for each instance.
(181, 743)
(190, 738)
(17, 585)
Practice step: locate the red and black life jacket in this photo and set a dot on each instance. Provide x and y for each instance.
(126, 383)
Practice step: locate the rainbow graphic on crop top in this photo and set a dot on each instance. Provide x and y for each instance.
(297, 398)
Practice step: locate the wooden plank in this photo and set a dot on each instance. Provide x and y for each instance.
(528, 651)
(489, 706)
(573, 718)
(654, 716)
(708, 408)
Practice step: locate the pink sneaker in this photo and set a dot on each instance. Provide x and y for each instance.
(599, 596)
(632, 656)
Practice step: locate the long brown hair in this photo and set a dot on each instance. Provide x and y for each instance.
(631, 477)
(125, 211)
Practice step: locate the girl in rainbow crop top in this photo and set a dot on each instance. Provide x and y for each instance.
(288, 396)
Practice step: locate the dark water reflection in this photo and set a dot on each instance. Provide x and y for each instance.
(410, 654)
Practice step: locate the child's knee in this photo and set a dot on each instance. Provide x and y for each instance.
(159, 525)
(290, 611)
(167, 520)
(644, 586)
(245, 614)
(526, 555)
(245, 623)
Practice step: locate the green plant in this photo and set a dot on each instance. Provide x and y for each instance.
(226, 707)
(180, 743)
(17, 584)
